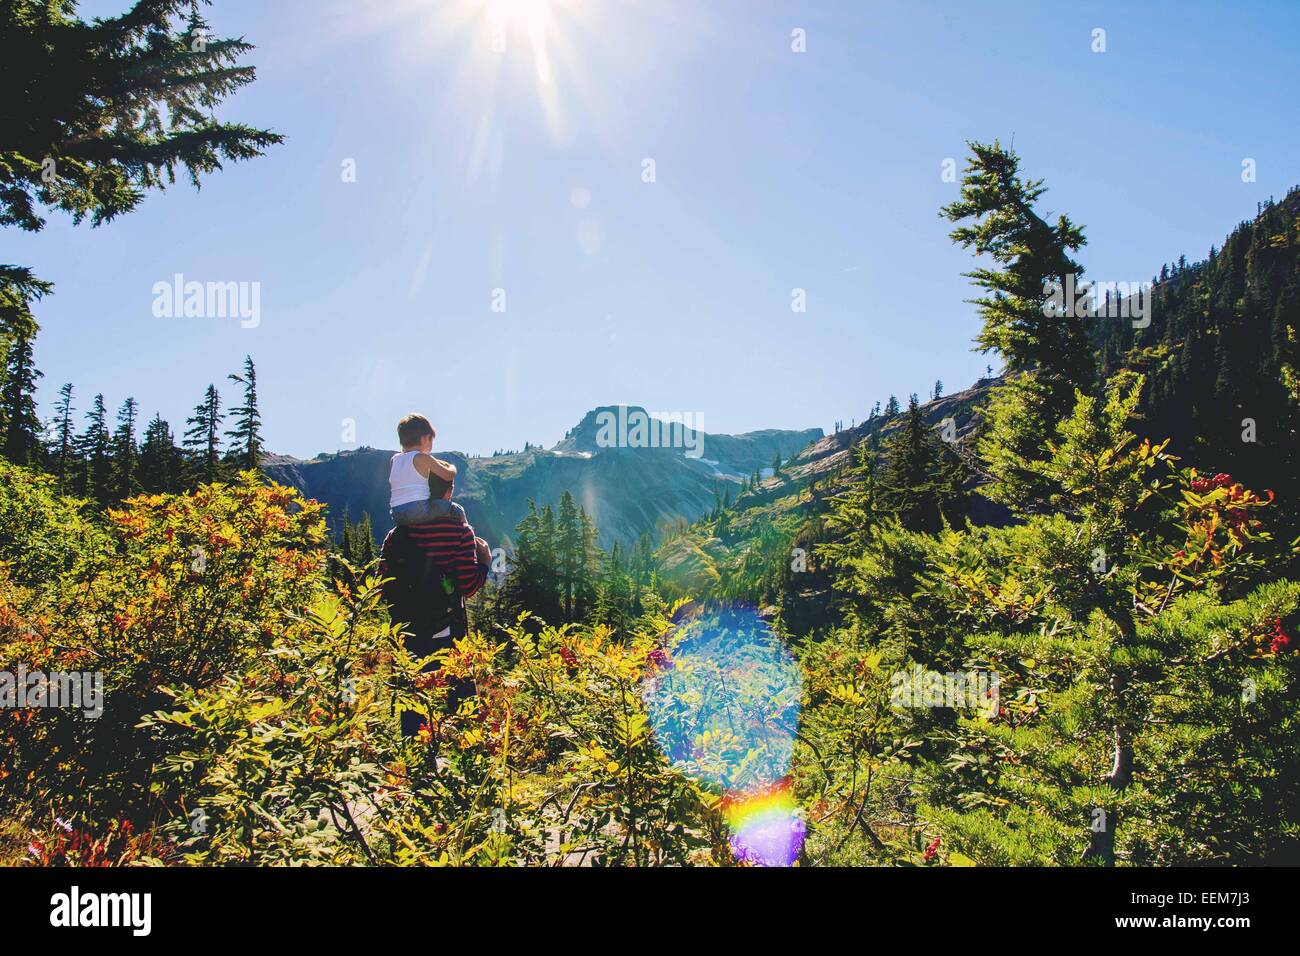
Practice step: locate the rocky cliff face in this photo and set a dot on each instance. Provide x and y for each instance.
(628, 489)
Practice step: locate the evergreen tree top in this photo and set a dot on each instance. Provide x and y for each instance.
(126, 103)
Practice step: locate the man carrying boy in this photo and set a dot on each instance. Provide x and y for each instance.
(428, 522)
(446, 542)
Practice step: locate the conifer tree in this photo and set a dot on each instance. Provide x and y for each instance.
(126, 456)
(1287, 337)
(856, 510)
(916, 486)
(18, 290)
(64, 441)
(644, 560)
(909, 459)
(94, 448)
(161, 462)
(202, 437)
(571, 554)
(365, 541)
(358, 544)
(1031, 255)
(585, 591)
(22, 426)
(548, 561)
(126, 102)
(553, 566)
(614, 605)
(1043, 339)
(533, 581)
(246, 433)
(1091, 603)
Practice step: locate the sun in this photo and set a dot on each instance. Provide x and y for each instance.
(535, 34)
(534, 22)
(505, 56)
(530, 15)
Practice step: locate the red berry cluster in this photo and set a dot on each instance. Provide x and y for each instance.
(658, 658)
(1202, 485)
(932, 850)
(432, 679)
(1239, 499)
(1279, 639)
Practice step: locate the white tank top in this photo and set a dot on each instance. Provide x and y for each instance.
(404, 481)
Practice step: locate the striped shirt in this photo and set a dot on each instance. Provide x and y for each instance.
(451, 545)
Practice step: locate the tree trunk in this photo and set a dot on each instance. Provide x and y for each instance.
(1102, 844)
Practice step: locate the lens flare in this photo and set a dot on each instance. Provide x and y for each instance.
(766, 827)
(723, 702)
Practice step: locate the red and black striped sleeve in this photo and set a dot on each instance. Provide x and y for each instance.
(451, 545)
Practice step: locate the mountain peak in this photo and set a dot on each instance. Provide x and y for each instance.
(632, 426)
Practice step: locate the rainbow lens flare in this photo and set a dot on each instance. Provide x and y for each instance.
(723, 702)
(766, 827)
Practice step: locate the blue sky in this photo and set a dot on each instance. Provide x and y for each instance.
(774, 170)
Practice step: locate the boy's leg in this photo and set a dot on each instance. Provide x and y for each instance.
(416, 512)
(445, 508)
(441, 507)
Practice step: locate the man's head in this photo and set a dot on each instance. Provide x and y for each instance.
(439, 487)
(414, 431)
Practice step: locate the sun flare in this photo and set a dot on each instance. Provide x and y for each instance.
(529, 14)
(531, 20)
(508, 58)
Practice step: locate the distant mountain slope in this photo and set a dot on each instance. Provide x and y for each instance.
(833, 451)
(627, 491)
(1220, 332)
(693, 562)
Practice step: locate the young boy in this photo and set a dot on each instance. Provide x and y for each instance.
(409, 474)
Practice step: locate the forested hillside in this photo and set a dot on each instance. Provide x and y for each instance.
(1221, 348)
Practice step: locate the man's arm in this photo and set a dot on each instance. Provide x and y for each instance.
(426, 465)
(470, 570)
